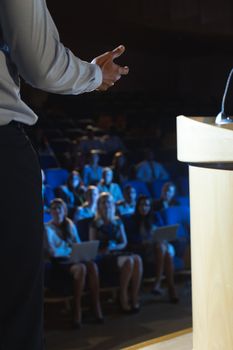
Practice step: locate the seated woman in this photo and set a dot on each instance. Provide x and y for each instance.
(73, 193)
(109, 230)
(128, 205)
(167, 198)
(61, 233)
(89, 207)
(160, 254)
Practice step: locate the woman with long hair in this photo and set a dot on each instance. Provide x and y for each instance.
(61, 233)
(167, 198)
(160, 254)
(109, 230)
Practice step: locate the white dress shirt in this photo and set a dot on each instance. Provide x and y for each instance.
(30, 47)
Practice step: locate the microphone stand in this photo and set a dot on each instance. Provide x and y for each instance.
(222, 118)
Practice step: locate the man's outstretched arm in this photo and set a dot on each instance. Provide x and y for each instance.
(41, 58)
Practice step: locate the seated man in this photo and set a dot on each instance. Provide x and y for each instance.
(106, 185)
(92, 172)
(89, 207)
(128, 204)
(73, 193)
(149, 170)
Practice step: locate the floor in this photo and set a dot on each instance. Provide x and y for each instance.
(157, 317)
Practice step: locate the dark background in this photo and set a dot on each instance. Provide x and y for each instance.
(179, 52)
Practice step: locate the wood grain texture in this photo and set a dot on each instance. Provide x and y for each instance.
(211, 193)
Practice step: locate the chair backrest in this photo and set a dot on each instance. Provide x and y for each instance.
(47, 217)
(61, 145)
(178, 215)
(183, 201)
(156, 188)
(48, 161)
(83, 228)
(56, 176)
(183, 185)
(140, 187)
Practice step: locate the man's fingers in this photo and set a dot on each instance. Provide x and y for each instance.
(105, 85)
(118, 51)
(123, 70)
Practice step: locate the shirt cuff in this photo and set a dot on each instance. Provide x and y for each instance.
(98, 79)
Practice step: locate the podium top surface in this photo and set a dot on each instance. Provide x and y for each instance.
(200, 140)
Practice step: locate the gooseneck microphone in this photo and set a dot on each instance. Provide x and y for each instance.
(222, 118)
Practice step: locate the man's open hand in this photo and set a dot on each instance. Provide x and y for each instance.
(111, 72)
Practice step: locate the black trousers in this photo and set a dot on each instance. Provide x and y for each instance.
(21, 237)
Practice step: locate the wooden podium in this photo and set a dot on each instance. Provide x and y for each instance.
(208, 149)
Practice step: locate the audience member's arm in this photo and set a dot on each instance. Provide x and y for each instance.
(56, 246)
(140, 173)
(123, 243)
(118, 196)
(163, 174)
(74, 233)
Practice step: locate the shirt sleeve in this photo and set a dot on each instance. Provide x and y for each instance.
(163, 174)
(74, 232)
(86, 173)
(36, 50)
(56, 246)
(117, 194)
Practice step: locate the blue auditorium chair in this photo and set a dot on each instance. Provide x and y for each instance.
(156, 188)
(178, 215)
(56, 177)
(140, 187)
(48, 161)
(183, 185)
(83, 228)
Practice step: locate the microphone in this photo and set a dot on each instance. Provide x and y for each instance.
(222, 118)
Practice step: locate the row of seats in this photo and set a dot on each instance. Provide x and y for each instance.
(170, 216)
(57, 176)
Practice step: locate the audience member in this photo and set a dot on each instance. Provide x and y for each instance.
(90, 140)
(167, 198)
(109, 230)
(106, 185)
(47, 192)
(149, 170)
(89, 207)
(160, 254)
(92, 172)
(120, 168)
(112, 142)
(128, 204)
(73, 193)
(61, 234)
(41, 143)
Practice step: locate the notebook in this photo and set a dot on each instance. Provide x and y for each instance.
(84, 251)
(165, 233)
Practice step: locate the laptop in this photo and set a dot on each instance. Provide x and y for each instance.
(84, 251)
(165, 233)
